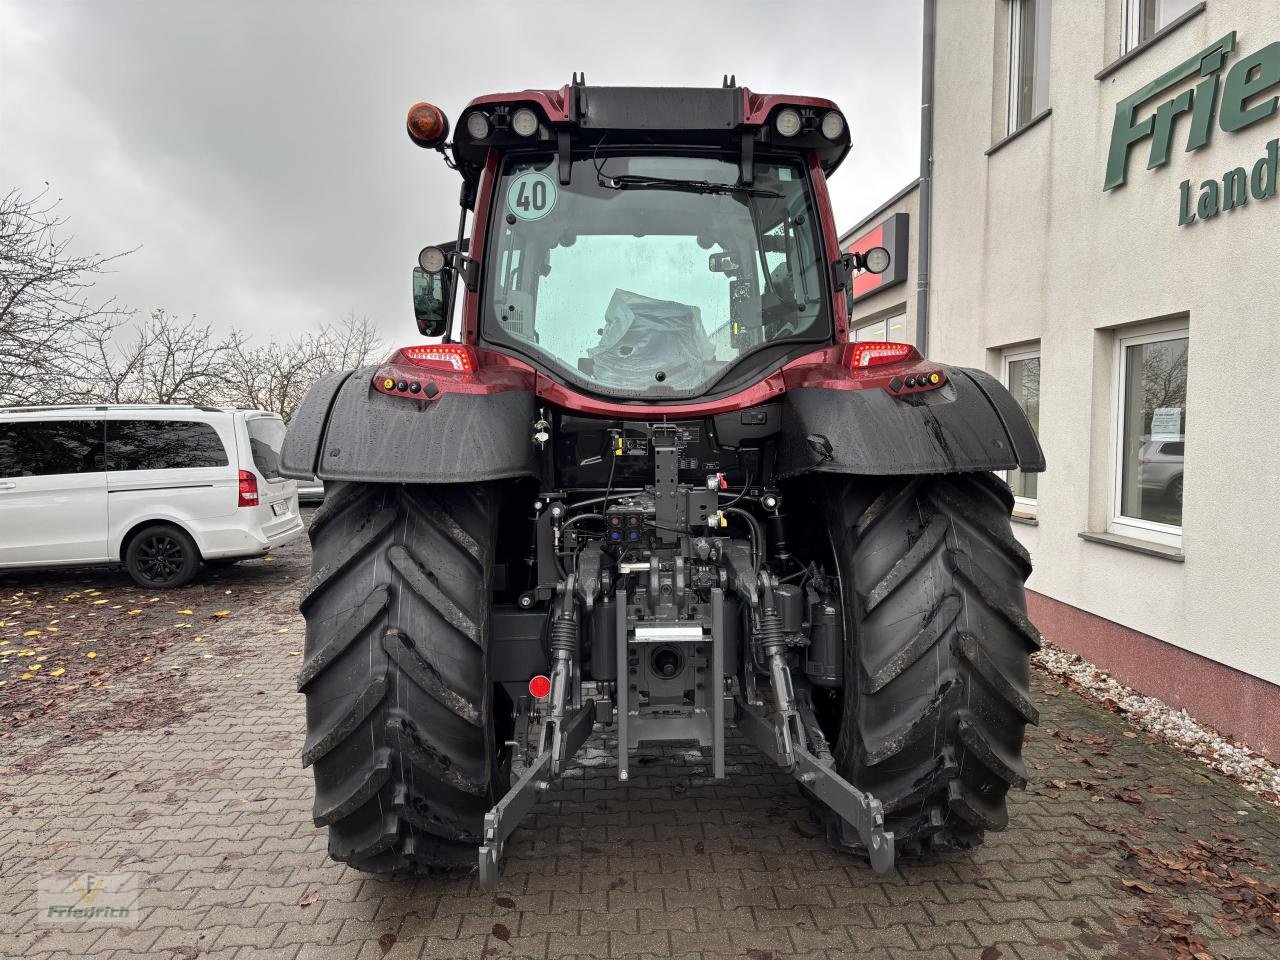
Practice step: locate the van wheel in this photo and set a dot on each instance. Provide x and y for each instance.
(162, 557)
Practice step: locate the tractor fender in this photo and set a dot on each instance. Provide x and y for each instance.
(344, 429)
(971, 423)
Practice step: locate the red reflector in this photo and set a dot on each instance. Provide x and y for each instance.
(877, 353)
(540, 687)
(248, 489)
(453, 356)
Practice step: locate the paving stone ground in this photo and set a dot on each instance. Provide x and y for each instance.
(206, 803)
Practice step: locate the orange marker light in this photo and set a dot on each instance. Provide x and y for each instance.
(427, 125)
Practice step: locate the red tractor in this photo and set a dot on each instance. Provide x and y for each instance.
(639, 477)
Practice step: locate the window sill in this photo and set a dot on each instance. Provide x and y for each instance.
(1019, 132)
(1146, 44)
(1160, 550)
(1030, 519)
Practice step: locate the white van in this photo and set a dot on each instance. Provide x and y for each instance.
(157, 488)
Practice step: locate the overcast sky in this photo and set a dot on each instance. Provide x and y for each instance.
(254, 150)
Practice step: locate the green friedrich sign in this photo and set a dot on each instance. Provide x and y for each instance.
(1240, 105)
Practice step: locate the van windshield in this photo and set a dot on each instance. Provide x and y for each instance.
(650, 275)
(266, 435)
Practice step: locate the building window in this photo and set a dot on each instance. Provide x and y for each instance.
(1143, 19)
(1151, 433)
(1028, 61)
(886, 328)
(1022, 377)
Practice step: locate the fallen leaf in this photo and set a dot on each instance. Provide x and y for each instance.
(57, 673)
(1136, 885)
(90, 654)
(223, 613)
(293, 653)
(132, 613)
(32, 633)
(502, 932)
(505, 902)
(185, 613)
(386, 942)
(309, 898)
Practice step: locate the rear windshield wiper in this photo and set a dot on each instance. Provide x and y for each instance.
(634, 182)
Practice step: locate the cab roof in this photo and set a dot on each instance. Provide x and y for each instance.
(578, 115)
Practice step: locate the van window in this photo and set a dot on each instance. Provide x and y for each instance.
(163, 445)
(266, 435)
(33, 448)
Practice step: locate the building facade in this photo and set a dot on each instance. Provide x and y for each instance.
(1105, 231)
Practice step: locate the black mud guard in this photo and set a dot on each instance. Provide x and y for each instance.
(971, 423)
(346, 430)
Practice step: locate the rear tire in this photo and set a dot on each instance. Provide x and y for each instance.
(400, 708)
(162, 557)
(937, 655)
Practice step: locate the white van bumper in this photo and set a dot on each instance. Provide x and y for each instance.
(246, 533)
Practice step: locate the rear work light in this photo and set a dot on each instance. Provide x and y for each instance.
(450, 356)
(879, 353)
(248, 489)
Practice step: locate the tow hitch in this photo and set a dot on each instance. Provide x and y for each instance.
(786, 730)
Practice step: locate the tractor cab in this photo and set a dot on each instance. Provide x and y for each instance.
(647, 244)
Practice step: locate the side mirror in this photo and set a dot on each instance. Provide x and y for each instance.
(430, 301)
(721, 263)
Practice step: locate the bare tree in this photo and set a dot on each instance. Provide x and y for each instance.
(352, 342)
(58, 346)
(47, 322)
(276, 376)
(166, 360)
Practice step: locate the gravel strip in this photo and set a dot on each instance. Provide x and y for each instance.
(1176, 727)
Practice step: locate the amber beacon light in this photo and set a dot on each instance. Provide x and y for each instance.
(427, 125)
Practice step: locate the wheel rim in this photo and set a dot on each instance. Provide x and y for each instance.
(160, 558)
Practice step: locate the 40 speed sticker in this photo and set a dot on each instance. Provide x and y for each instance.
(531, 196)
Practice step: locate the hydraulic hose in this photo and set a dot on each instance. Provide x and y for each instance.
(757, 533)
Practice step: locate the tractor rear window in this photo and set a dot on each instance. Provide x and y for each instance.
(652, 276)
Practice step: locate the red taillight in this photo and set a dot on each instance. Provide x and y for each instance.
(453, 356)
(540, 687)
(878, 353)
(248, 489)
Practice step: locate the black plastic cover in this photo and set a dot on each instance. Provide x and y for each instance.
(298, 456)
(658, 108)
(969, 424)
(366, 435)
